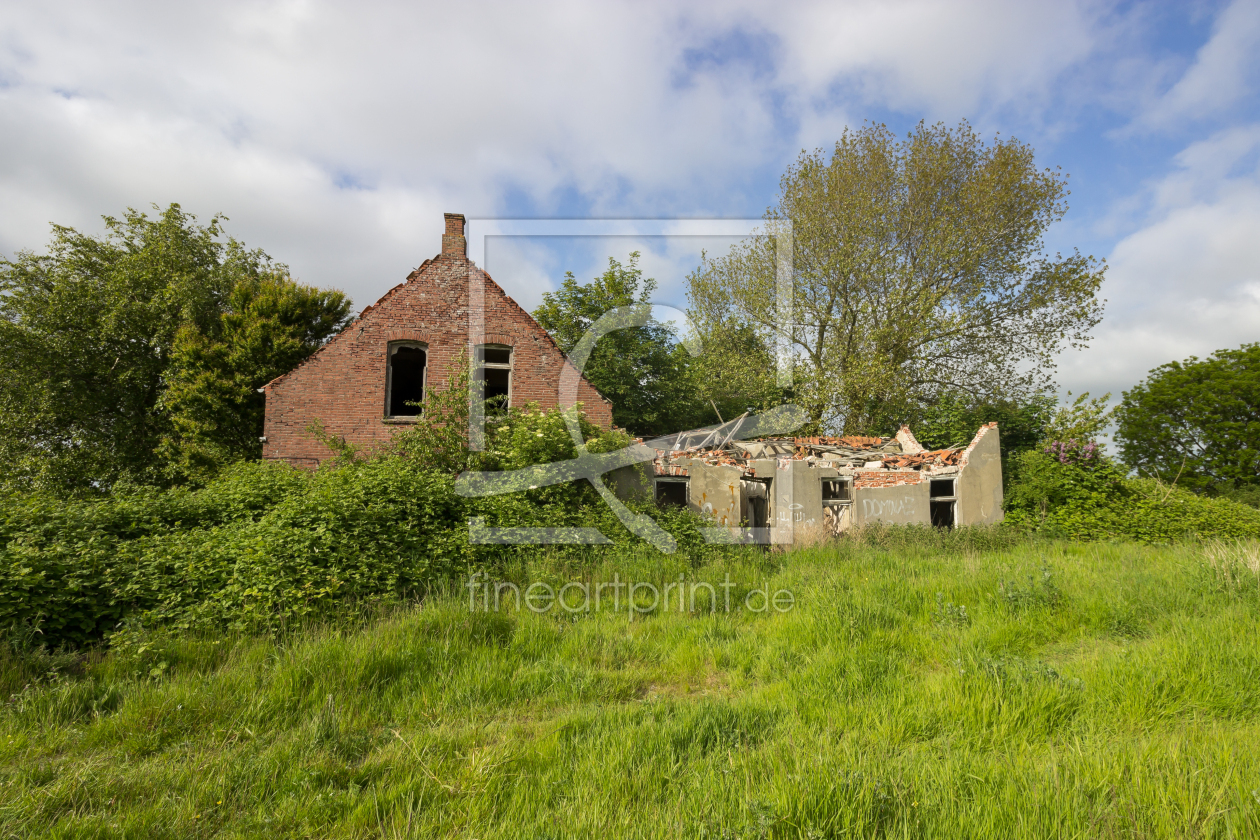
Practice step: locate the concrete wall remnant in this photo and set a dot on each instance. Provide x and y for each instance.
(716, 493)
(793, 490)
(893, 504)
(980, 480)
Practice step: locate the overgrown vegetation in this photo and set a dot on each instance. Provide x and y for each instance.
(1072, 490)
(134, 357)
(964, 684)
(266, 545)
(1197, 423)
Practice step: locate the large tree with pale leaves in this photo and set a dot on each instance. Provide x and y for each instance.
(918, 269)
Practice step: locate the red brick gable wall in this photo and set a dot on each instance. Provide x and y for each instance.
(343, 385)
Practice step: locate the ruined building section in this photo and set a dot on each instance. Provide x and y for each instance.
(793, 490)
(371, 379)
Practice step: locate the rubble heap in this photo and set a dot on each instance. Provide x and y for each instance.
(847, 454)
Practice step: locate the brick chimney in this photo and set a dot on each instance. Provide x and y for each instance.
(453, 242)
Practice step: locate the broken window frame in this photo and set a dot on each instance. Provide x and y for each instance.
(659, 483)
(847, 484)
(483, 365)
(391, 350)
(936, 501)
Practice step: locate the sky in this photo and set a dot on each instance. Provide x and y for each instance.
(334, 136)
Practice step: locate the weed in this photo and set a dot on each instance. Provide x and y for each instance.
(948, 614)
(1039, 591)
(1234, 565)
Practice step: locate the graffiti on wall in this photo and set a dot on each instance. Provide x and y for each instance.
(791, 513)
(889, 508)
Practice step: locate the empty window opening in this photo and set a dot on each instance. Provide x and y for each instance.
(758, 513)
(943, 514)
(671, 493)
(942, 487)
(756, 510)
(494, 377)
(836, 490)
(497, 356)
(405, 380)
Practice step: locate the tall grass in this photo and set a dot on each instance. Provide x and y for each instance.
(945, 686)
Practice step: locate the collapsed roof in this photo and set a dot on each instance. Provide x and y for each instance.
(849, 454)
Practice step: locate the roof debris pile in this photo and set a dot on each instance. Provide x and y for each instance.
(717, 446)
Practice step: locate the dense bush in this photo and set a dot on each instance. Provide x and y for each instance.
(59, 559)
(1196, 422)
(137, 355)
(266, 544)
(1072, 491)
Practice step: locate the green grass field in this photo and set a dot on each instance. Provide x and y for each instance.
(937, 690)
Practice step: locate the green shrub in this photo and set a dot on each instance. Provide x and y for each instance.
(1092, 499)
(266, 545)
(60, 560)
(375, 529)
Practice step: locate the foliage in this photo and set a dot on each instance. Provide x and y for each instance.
(60, 560)
(1074, 452)
(375, 529)
(90, 340)
(1075, 492)
(643, 370)
(1196, 422)
(1249, 495)
(269, 324)
(265, 545)
(953, 420)
(733, 374)
(1119, 702)
(1084, 420)
(918, 271)
(86, 337)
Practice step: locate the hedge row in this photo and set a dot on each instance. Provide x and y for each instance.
(266, 544)
(1093, 499)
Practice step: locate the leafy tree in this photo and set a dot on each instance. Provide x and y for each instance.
(86, 337)
(88, 334)
(728, 377)
(1084, 421)
(1197, 422)
(953, 421)
(269, 325)
(644, 370)
(918, 271)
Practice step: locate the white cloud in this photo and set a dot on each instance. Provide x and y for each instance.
(335, 136)
(944, 59)
(1188, 281)
(1222, 73)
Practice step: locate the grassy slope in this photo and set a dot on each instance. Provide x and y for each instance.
(1120, 696)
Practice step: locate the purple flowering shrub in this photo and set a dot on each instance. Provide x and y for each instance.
(1081, 453)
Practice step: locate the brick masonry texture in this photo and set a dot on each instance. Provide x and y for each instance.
(343, 385)
(878, 478)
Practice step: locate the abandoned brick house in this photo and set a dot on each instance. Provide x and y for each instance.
(796, 489)
(367, 382)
